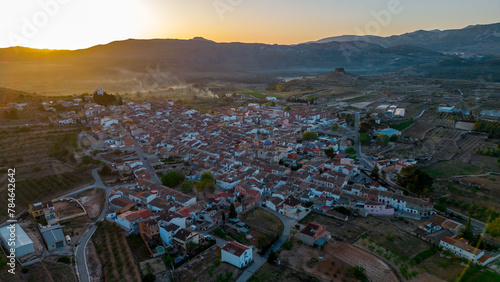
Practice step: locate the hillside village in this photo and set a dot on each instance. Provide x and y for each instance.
(259, 159)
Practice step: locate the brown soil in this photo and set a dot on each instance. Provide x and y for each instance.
(93, 263)
(376, 269)
(93, 201)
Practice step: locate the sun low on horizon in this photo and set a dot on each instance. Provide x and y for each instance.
(73, 24)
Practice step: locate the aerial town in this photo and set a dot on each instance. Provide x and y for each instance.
(250, 141)
(317, 188)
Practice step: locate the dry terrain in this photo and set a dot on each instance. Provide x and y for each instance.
(206, 267)
(93, 201)
(274, 273)
(65, 208)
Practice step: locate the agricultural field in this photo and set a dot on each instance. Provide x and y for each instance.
(41, 271)
(138, 247)
(403, 125)
(417, 131)
(314, 262)
(466, 145)
(476, 200)
(44, 188)
(444, 133)
(26, 147)
(115, 253)
(446, 169)
(445, 150)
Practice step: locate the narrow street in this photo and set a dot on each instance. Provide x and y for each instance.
(145, 161)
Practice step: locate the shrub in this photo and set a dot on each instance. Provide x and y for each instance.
(288, 245)
(64, 259)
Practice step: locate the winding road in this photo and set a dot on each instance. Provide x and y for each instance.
(81, 246)
(260, 260)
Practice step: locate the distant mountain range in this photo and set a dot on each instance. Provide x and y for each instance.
(477, 39)
(143, 65)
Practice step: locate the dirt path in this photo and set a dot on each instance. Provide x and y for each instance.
(94, 263)
(375, 268)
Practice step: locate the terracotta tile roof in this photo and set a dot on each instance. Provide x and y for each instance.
(235, 248)
(311, 228)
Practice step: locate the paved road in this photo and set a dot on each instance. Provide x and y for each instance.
(260, 260)
(422, 111)
(363, 161)
(81, 260)
(145, 161)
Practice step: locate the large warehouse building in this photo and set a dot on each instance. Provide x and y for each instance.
(23, 245)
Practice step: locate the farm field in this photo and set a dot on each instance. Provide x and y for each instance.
(115, 253)
(469, 199)
(41, 271)
(446, 169)
(44, 188)
(445, 133)
(321, 264)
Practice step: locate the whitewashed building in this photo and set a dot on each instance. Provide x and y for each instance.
(236, 254)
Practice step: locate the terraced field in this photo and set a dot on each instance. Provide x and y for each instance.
(466, 147)
(445, 133)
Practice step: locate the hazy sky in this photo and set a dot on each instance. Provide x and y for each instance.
(74, 24)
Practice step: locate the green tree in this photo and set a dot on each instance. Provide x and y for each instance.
(287, 108)
(207, 176)
(106, 170)
(382, 139)
(493, 227)
(187, 186)
(440, 207)
(335, 127)
(415, 180)
(393, 138)
(330, 153)
(232, 211)
(364, 138)
(364, 127)
(309, 135)
(375, 172)
(171, 179)
(168, 260)
(350, 150)
(205, 185)
(467, 233)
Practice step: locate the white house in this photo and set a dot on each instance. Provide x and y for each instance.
(167, 231)
(236, 254)
(461, 248)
